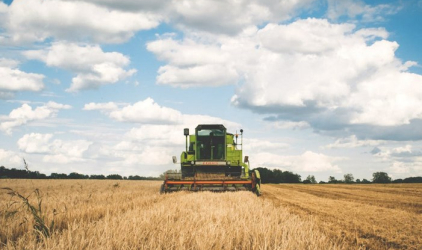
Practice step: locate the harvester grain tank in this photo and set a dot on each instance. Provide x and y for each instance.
(212, 161)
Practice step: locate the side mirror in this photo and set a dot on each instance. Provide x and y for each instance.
(186, 131)
(174, 159)
(246, 159)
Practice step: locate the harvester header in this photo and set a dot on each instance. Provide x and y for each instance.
(212, 160)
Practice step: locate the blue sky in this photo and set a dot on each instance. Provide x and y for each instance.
(321, 88)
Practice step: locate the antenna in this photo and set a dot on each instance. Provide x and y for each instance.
(241, 138)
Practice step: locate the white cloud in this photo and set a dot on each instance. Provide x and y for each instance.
(149, 112)
(192, 64)
(55, 151)
(116, 22)
(4, 62)
(35, 143)
(10, 159)
(12, 79)
(37, 20)
(308, 162)
(389, 92)
(93, 66)
(302, 69)
(238, 15)
(24, 114)
(353, 142)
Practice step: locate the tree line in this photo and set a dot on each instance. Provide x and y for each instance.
(27, 174)
(267, 176)
(277, 176)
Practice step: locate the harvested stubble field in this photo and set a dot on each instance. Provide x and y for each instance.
(106, 214)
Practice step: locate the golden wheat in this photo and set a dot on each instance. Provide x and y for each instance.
(105, 214)
(365, 216)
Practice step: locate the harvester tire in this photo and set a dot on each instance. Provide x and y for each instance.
(258, 189)
(162, 190)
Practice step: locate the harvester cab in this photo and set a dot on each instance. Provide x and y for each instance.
(212, 161)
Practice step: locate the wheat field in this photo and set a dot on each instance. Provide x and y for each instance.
(107, 214)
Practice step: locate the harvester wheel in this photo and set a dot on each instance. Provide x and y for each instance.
(258, 189)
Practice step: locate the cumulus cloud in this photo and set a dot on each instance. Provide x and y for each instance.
(93, 67)
(310, 71)
(146, 112)
(55, 151)
(10, 159)
(24, 114)
(13, 79)
(116, 22)
(206, 15)
(35, 143)
(37, 20)
(149, 112)
(192, 64)
(238, 15)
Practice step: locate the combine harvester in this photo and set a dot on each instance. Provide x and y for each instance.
(212, 161)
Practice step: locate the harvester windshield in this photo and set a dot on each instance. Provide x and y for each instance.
(211, 142)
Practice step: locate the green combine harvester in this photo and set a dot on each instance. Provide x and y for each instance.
(212, 162)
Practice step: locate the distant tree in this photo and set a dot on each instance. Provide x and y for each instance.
(398, 181)
(348, 178)
(413, 180)
(3, 172)
(357, 180)
(114, 177)
(97, 177)
(278, 176)
(289, 177)
(381, 177)
(365, 181)
(75, 175)
(332, 179)
(322, 182)
(310, 179)
(267, 176)
(58, 176)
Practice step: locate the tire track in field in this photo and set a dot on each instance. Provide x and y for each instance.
(357, 224)
(382, 198)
